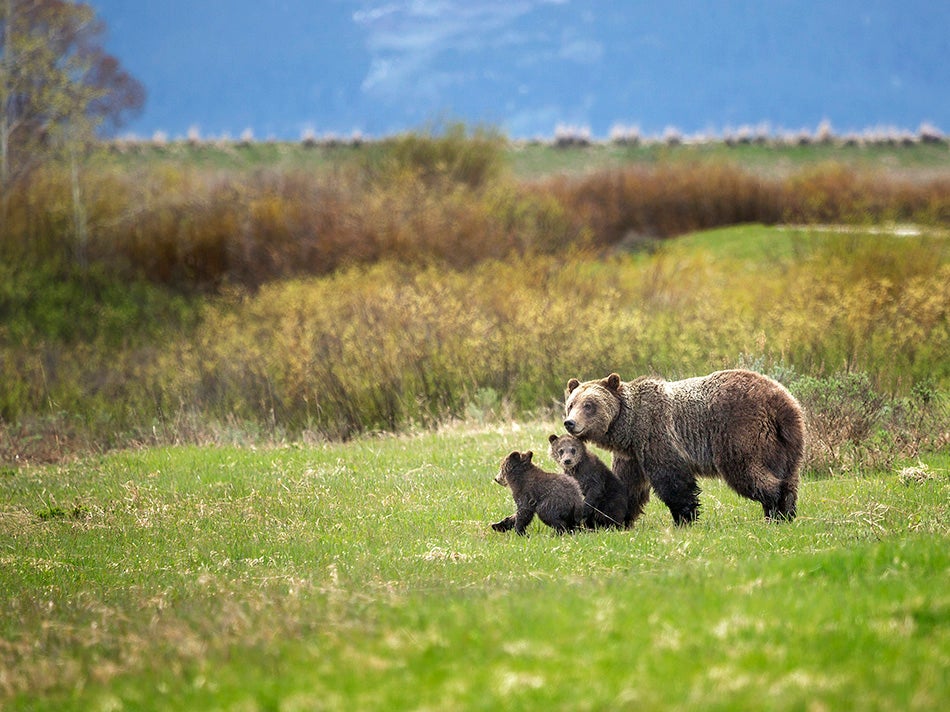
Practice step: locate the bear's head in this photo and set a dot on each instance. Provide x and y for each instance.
(591, 407)
(512, 466)
(567, 450)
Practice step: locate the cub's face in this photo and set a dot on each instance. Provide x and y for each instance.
(591, 407)
(566, 450)
(513, 464)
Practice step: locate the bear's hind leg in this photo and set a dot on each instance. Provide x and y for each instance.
(562, 526)
(756, 482)
(523, 518)
(788, 496)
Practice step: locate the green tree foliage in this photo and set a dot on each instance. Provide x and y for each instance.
(58, 86)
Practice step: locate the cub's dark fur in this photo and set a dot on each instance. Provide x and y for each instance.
(604, 494)
(555, 498)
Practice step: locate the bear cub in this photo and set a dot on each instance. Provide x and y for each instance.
(604, 494)
(555, 498)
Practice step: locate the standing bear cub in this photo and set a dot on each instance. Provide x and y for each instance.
(555, 498)
(605, 496)
(738, 425)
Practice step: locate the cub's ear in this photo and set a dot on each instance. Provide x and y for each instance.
(552, 438)
(613, 381)
(527, 457)
(571, 385)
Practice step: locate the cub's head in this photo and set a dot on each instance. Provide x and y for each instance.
(567, 450)
(591, 407)
(512, 466)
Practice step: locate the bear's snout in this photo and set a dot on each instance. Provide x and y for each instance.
(570, 426)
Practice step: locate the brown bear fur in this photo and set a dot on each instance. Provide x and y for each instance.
(604, 494)
(555, 498)
(738, 425)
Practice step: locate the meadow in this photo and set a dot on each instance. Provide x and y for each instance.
(252, 399)
(365, 575)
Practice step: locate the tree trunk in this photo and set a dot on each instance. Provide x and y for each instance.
(6, 63)
(79, 211)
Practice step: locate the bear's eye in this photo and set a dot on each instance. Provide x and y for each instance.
(588, 407)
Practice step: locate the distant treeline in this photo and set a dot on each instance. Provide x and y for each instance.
(566, 135)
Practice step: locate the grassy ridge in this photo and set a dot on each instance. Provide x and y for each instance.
(365, 575)
(533, 160)
(200, 218)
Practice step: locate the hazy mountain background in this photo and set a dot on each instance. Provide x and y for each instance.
(283, 67)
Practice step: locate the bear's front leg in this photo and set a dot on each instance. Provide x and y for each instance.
(522, 519)
(637, 484)
(678, 491)
(589, 515)
(506, 524)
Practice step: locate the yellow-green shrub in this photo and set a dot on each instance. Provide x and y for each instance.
(385, 346)
(390, 345)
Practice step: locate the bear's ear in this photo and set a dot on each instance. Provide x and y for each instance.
(572, 384)
(552, 438)
(527, 457)
(613, 381)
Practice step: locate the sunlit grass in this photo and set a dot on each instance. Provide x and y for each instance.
(366, 575)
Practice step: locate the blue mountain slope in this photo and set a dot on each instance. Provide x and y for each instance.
(378, 66)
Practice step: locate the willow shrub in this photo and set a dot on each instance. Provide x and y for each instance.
(387, 346)
(878, 305)
(666, 199)
(472, 158)
(391, 346)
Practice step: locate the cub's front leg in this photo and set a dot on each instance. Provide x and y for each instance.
(523, 518)
(506, 524)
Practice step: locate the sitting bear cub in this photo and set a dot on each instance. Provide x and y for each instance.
(604, 494)
(555, 498)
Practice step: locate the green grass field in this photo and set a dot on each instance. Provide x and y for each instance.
(364, 575)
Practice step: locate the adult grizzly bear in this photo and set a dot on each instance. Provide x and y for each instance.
(738, 425)
(555, 498)
(604, 494)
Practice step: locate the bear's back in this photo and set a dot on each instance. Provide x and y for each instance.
(538, 484)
